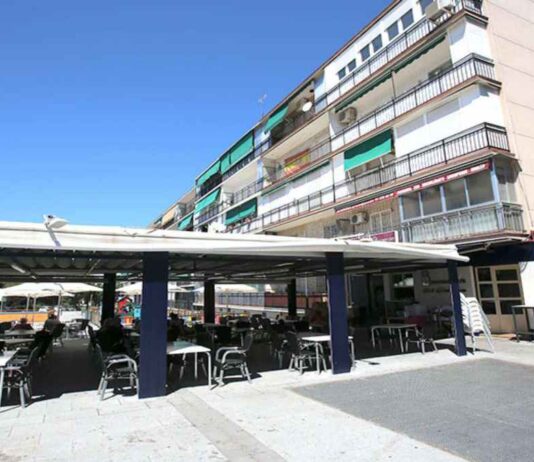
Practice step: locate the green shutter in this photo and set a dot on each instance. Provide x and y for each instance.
(417, 55)
(363, 91)
(208, 200)
(185, 222)
(215, 168)
(241, 212)
(368, 150)
(276, 119)
(226, 163)
(237, 152)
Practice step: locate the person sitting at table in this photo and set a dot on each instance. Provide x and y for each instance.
(23, 324)
(111, 336)
(51, 323)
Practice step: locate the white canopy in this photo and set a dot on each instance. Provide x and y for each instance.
(43, 289)
(137, 289)
(236, 288)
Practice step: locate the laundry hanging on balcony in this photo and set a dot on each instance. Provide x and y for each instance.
(371, 149)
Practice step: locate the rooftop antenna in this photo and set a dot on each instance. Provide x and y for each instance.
(261, 100)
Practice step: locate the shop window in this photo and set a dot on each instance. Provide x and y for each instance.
(479, 188)
(407, 19)
(431, 200)
(499, 288)
(455, 196)
(393, 31)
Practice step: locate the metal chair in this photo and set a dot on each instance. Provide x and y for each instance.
(278, 347)
(20, 376)
(233, 358)
(302, 353)
(417, 337)
(57, 334)
(116, 367)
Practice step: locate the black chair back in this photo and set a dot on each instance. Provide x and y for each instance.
(249, 340)
(58, 330)
(223, 334)
(293, 342)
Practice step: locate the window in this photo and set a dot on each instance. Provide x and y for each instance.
(393, 31)
(380, 221)
(407, 19)
(351, 65)
(377, 43)
(410, 206)
(341, 73)
(403, 287)
(499, 288)
(455, 197)
(424, 4)
(479, 188)
(506, 177)
(431, 199)
(365, 53)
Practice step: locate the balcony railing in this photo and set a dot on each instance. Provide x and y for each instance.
(470, 67)
(466, 223)
(485, 136)
(247, 191)
(409, 38)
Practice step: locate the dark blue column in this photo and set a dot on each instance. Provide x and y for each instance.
(108, 297)
(459, 333)
(153, 341)
(292, 299)
(209, 301)
(337, 309)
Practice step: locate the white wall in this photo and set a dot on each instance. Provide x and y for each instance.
(527, 276)
(467, 37)
(471, 107)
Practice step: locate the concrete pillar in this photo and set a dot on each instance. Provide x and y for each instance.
(458, 323)
(337, 311)
(209, 301)
(108, 297)
(292, 299)
(153, 341)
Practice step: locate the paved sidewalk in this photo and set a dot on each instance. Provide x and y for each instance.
(270, 419)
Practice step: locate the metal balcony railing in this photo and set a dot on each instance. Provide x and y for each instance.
(247, 191)
(472, 140)
(465, 223)
(404, 41)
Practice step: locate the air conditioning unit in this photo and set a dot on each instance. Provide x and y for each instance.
(438, 8)
(360, 218)
(347, 116)
(343, 225)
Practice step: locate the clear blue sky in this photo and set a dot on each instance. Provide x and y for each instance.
(110, 108)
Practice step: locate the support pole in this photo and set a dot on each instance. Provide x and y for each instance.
(153, 341)
(108, 297)
(459, 333)
(292, 299)
(209, 301)
(337, 311)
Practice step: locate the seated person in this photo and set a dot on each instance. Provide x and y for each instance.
(23, 324)
(110, 337)
(51, 323)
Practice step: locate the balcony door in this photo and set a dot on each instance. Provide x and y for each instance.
(499, 288)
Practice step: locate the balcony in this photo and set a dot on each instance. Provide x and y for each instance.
(409, 38)
(247, 191)
(495, 218)
(481, 137)
(469, 68)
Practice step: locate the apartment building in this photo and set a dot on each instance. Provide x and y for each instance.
(417, 130)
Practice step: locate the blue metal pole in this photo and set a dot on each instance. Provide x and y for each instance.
(209, 301)
(153, 341)
(337, 309)
(292, 299)
(108, 297)
(459, 333)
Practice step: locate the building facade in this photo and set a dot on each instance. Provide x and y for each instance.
(417, 130)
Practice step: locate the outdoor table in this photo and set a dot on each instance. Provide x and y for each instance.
(182, 347)
(317, 339)
(10, 342)
(524, 309)
(19, 333)
(4, 361)
(399, 327)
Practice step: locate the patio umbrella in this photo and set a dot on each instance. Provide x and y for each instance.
(137, 289)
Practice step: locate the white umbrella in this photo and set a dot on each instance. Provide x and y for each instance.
(137, 289)
(235, 288)
(79, 287)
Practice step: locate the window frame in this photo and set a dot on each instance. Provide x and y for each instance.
(379, 40)
(367, 50)
(396, 34)
(408, 14)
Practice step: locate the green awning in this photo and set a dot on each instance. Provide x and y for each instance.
(215, 168)
(421, 52)
(276, 119)
(240, 150)
(241, 212)
(186, 222)
(206, 201)
(368, 150)
(363, 91)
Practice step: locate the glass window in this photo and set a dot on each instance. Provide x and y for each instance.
(506, 305)
(507, 275)
(479, 188)
(351, 65)
(424, 4)
(489, 307)
(486, 291)
(455, 197)
(393, 31)
(484, 274)
(341, 73)
(509, 290)
(365, 53)
(506, 178)
(407, 19)
(377, 43)
(431, 199)
(410, 206)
